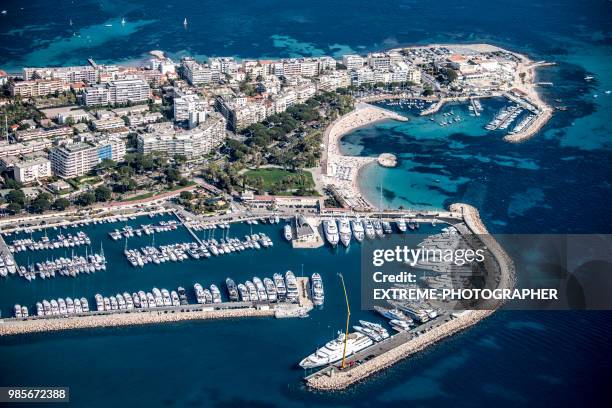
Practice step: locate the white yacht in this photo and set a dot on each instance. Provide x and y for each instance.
(281, 289)
(369, 229)
(401, 225)
(333, 350)
(344, 228)
(318, 294)
(358, 231)
(292, 289)
(331, 231)
(287, 232)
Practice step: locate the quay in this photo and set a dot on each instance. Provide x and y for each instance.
(388, 352)
(165, 314)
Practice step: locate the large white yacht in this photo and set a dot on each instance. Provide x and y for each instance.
(333, 350)
(369, 228)
(331, 231)
(344, 228)
(318, 294)
(358, 231)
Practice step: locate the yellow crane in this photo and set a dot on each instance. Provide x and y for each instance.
(348, 317)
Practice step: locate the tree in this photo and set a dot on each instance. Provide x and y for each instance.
(16, 196)
(40, 204)
(85, 199)
(13, 184)
(180, 158)
(61, 204)
(14, 208)
(173, 174)
(186, 195)
(103, 193)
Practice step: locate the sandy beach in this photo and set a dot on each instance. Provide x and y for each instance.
(340, 171)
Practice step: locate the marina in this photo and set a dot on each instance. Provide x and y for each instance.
(431, 328)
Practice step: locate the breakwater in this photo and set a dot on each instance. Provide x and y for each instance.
(333, 378)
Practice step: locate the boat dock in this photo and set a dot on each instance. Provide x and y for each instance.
(186, 225)
(388, 352)
(122, 317)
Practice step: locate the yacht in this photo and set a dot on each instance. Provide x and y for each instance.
(318, 294)
(369, 332)
(281, 289)
(334, 350)
(358, 230)
(199, 291)
(166, 299)
(39, 309)
(287, 232)
(175, 298)
(292, 289)
(18, 311)
(208, 297)
(331, 232)
(344, 228)
(78, 308)
(393, 314)
(232, 290)
(376, 327)
(378, 228)
(84, 305)
(387, 227)
(99, 302)
(182, 296)
(244, 292)
(399, 325)
(261, 289)
(401, 225)
(46, 307)
(270, 289)
(216, 293)
(370, 233)
(252, 291)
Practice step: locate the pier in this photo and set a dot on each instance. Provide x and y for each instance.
(186, 225)
(388, 352)
(164, 314)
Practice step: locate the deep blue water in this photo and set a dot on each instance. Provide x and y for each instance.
(557, 182)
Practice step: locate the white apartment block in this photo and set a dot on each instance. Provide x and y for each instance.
(14, 149)
(196, 73)
(334, 80)
(185, 103)
(108, 123)
(241, 112)
(201, 140)
(353, 62)
(379, 61)
(37, 87)
(73, 74)
(76, 159)
(27, 171)
(73, 159)
(118, 92)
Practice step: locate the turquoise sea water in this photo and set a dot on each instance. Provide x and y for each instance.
(557, 182)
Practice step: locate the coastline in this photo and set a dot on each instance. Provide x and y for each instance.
(341, 171)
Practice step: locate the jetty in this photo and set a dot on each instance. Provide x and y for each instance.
(388, 352)
(163, 314)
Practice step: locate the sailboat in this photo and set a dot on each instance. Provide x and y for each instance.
(71, 22)
(185, 22)
(122, 21)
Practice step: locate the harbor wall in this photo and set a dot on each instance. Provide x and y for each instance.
(330, 379)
